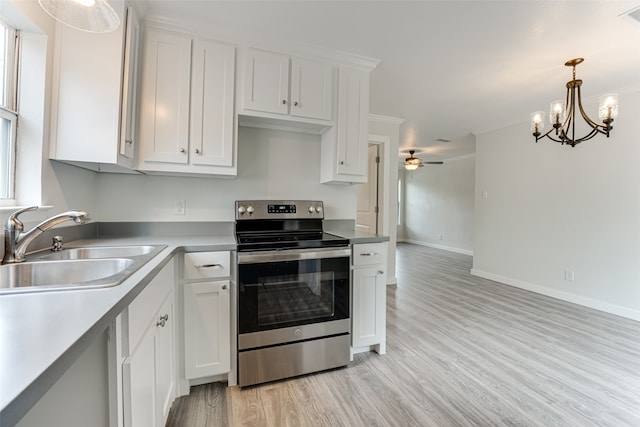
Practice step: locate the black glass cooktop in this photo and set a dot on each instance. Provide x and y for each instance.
(292, 240)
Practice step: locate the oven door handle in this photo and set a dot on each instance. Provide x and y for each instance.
(291, 255)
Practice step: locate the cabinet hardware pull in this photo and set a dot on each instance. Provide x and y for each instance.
(342, 162)
(207, 265)
(163, 320)
(197, 151)
(380, 271)
(368, 254)
(182, 150)
(224, 287)
(284, 102)
(295, 104)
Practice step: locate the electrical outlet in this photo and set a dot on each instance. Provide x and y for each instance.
(569, 275)
(180, 207)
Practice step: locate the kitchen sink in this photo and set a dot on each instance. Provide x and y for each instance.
(92, 252)
(87, 267)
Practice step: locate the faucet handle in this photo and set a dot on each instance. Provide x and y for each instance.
(13, 223)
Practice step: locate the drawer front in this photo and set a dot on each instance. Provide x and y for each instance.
(370, 254)
(203, 265)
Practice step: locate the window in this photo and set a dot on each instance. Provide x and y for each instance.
(8, 110)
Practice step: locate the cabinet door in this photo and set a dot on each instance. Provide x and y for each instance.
(311, 89)
(139, 390)
(369, 306)
(207, 329)
(266, 82)
(164, 101)
(164, 360)
(212, 91)
(353, 128)
(87, 94)
(130, 85)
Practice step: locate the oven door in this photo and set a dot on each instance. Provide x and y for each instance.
(285, 290)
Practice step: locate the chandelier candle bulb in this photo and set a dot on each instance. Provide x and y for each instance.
(537, 122)
(557, 113)
(608, 108)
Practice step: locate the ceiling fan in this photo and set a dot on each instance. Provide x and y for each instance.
(413, 163)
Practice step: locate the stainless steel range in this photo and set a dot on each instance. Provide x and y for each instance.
(293, 291)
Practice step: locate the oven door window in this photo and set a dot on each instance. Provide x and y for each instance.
(283, 294)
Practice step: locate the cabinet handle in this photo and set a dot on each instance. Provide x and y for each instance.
(197, 151)
(128, 141)
(224, 287)
(207, 265)
(295, 104)
(182, 150)
(284, 102)
(380, 271)
(163, 320)
(368, 254)
(342, 162)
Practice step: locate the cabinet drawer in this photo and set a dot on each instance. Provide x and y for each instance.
(202, 265)
(369, 254)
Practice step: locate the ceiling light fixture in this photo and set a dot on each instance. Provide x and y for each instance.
(94, 16)
(563, 114)
(412, 163)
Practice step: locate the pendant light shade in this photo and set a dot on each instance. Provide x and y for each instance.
(95, 16)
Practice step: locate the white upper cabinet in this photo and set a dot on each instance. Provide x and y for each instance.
(164, 100)
(278, 84)
(128, 135)
(94, 95)
(212, 91)
(344, 147)
(186, 105)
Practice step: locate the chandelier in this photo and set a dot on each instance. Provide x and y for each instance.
(562, 114)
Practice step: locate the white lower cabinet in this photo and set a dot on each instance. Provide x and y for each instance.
(206, 283)
(149, 370)
(207, 329)
(368, 324)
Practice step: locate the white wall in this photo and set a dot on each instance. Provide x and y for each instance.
(438, 205)
(272, 165)
(551, 208)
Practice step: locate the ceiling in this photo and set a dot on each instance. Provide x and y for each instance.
(450, 68)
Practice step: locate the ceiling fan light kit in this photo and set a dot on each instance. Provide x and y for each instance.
(412, 163)
(562, 114)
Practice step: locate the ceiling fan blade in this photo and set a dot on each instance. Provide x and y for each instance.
(431, 163)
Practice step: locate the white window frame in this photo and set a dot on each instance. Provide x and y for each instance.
(9, 111)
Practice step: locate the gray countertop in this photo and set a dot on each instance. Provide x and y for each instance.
(356, 236)
(43, 333)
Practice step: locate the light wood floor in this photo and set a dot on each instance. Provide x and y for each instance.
(461, 351)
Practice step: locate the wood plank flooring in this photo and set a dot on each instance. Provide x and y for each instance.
(461, 351)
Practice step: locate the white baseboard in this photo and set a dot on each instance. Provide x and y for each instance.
(564, 296)
(444, 248)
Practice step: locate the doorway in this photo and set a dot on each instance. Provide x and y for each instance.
(369, 194)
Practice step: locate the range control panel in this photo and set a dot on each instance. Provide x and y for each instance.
(279, 209)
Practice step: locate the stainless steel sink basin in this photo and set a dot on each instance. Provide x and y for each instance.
(87, 267)
(47, 274)
(92, 252)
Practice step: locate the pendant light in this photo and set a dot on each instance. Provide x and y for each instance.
(94, 16)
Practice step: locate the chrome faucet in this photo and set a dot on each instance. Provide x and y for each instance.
(16, 239)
